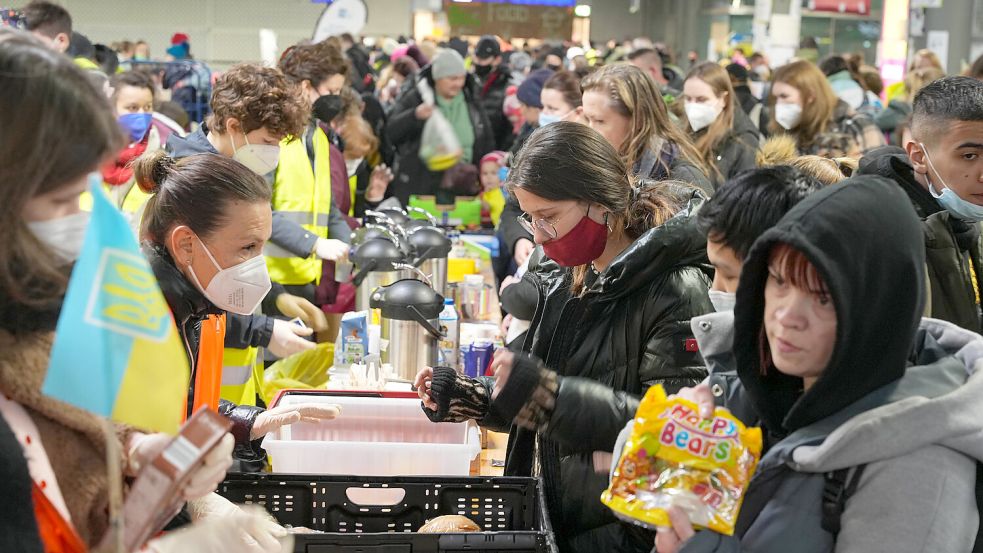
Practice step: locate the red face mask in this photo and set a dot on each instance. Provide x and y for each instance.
(583, 244)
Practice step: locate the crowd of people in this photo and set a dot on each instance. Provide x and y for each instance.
(794, 243)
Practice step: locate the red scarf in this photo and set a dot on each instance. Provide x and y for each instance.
(119, 172)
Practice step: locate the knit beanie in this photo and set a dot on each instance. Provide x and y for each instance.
(532, 87)
(447, 63)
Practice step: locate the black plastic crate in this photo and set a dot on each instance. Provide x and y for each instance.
(511, 511)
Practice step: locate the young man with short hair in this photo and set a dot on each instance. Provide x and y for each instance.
(49, 22)
(941, 170)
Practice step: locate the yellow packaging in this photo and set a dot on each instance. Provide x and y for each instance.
(675, 458)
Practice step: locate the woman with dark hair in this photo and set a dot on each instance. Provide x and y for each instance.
(133, 102)
(51, 148)
(204, 229)
(562, 99)
(626, 269)
(623, 103)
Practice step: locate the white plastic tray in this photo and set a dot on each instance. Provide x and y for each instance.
(373, 437)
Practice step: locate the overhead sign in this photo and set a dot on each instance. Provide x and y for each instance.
(510, 20)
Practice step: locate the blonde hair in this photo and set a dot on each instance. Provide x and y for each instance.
(825, 170)
(928, 54)
(818, 101)
(358, 135)
(777, 150)
(633, 94)
(918, 78)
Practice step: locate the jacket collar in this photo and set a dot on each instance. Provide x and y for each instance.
(184, 299)
(676, 243)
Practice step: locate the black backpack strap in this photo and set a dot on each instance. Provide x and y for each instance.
(839, 486)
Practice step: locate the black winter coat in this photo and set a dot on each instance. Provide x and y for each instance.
(491, 93)
(629, 331)
(190, 307)
(405, 131)
(736, 153)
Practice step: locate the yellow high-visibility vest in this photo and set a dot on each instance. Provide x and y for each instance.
(302, 194)
(242, 375)
(127, 197)
(352, 184)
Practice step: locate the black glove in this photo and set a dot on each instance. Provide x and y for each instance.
(458, 397)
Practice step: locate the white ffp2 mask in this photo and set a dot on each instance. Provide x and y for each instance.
(64, 235)
(239, 288)
(258, 158)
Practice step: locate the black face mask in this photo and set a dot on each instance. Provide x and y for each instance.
(482, 70)
(327, 107)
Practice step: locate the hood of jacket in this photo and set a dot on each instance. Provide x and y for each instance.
(891, 162)
(935, 403)
(195, 143)
(676, 243)
(875, 330)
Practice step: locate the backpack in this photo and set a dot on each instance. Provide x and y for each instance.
(840, 485)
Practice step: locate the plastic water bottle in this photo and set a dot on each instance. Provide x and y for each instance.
(449, 343)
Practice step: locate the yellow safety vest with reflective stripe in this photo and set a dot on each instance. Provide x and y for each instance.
(301, 194)
(242, 375)
(352, 184)
(131, 202)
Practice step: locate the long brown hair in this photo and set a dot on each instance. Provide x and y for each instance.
(570, 161)
(707, 140)
(55, 128)
(634, 95)
(818, 101)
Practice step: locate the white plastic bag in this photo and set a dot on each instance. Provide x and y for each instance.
(439, 147)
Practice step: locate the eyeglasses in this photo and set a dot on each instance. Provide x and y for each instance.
(545, 226)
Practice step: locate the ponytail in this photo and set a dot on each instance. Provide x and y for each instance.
(194, 191)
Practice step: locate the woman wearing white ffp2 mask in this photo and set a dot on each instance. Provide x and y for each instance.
(720, 130)
(204, 230)
(804, 106)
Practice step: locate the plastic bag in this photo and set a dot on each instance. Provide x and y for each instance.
(674, 458)
(440, 148)
(304, 370)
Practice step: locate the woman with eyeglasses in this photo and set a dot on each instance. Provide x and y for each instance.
(625, 270)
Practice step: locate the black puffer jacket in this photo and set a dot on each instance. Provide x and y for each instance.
(629, 331)
(405, 131)
(736, 153)
(491, 93)
(190, 308)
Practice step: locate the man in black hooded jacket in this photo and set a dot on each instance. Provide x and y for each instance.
(941, 170)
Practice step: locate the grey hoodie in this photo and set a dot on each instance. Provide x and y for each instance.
(920, 445)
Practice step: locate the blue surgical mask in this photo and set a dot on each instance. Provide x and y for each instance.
(956, 206)
(503, 174)
(135, 124)
(547, 118)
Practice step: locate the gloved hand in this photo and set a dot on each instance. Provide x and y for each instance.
(286, 339)
(211, 506)
(248, 531)
(144, 448)
(330, 249)
(270, 420)
(297, 307)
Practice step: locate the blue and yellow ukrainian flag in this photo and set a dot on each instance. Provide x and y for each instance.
(117, 352)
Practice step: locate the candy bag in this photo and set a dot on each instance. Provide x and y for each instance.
(675, 458)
